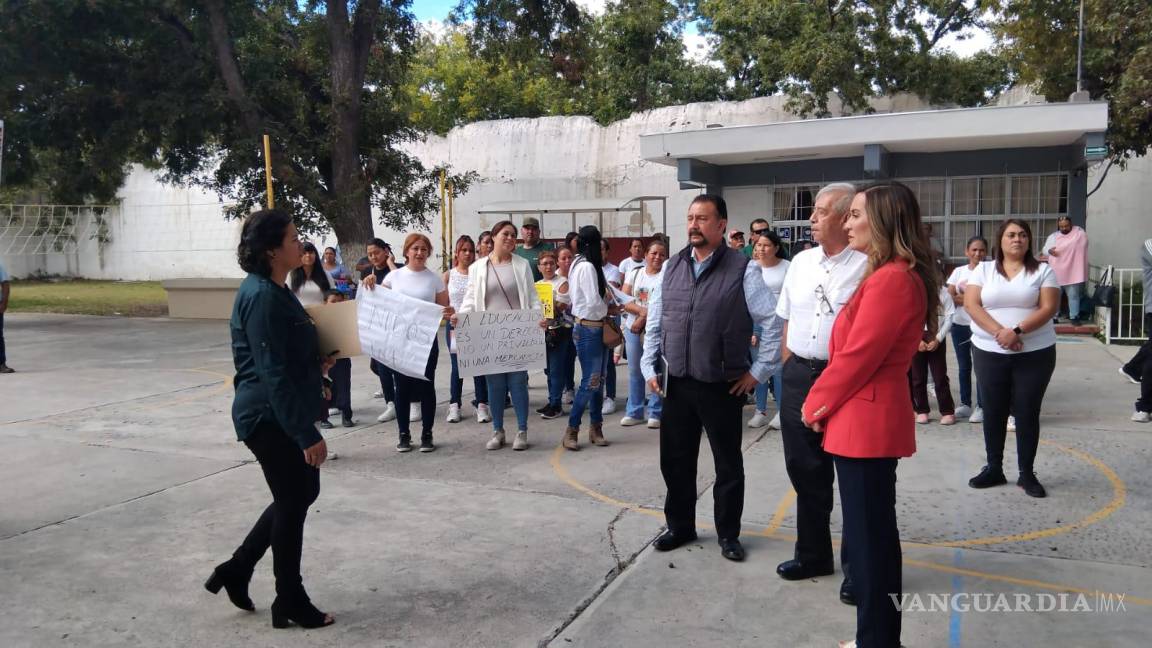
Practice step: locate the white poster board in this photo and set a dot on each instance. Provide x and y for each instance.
(490, 342)
(397, 330)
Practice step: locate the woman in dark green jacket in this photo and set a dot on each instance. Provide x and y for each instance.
(279, 393)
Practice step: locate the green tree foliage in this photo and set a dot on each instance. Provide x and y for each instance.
(189, 87)
(853, 49)
(1041, 35)
(639, 62)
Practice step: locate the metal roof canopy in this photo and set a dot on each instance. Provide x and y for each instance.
(599, 206)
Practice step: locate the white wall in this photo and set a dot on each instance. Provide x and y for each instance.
(1120, 214)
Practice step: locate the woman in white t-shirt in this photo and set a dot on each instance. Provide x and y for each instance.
(309, 282)
(457, 281)
(768, 256)
(417, 281)
(1012, 301)
(976, 250)
(641, 282)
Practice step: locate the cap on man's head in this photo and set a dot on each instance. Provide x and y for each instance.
(531, 221)
(735, 233)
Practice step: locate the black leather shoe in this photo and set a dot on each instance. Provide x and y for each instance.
(731, 549)
(847, 592)
(670, 540)
(988, 477)
(1031, 485)
(796, 570)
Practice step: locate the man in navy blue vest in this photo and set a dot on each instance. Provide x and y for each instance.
(699, 331)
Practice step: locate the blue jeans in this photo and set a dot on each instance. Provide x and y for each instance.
(962, 345)
(501, 384)
(593, 357)
(570, 367)
(761, 392)
(557, 366)
(1074, 291)
(456, 385)
(637, 386)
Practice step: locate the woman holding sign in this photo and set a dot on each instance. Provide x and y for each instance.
(503, 281)
(416, 280)
(279, 390)
(591, 311)
(457, 280)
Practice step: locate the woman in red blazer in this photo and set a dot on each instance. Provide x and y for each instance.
(860, 403)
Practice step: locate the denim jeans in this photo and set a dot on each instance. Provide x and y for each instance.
(637, 386)
(962, 345)
(501, 384)
(557, 366)
(570, 367)
(593, 357)
(761, 392)
(456, 385)
(1074, 291)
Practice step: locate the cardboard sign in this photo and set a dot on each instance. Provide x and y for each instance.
(337, 328)
(491, 342)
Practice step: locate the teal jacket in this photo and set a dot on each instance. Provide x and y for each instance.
(277, 357)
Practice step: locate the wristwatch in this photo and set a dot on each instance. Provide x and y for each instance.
(1017, 330)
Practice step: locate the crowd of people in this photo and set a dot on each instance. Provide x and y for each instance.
(843, 335)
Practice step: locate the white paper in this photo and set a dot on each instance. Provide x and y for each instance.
(397, 330)
(620, 296)
(490, 342)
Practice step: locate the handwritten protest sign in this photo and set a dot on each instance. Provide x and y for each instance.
(397, 330)
(544, 290)
(490, 342)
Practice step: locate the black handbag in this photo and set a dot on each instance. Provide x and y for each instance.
(1105, 293)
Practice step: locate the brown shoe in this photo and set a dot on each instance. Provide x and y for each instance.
(596, 434)
(571, 436)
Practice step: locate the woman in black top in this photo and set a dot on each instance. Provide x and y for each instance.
(279, 389)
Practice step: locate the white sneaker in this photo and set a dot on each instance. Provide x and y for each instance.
(1141, 417)
(653, 424)
(482, 413)
(414, 415)
(333, 411)
(628, 421)
(1011, 423)
(453, 413)
(389, 413)
(497, 440)
(609, 406)
(963, 411)
(977, 415)
(521, 441)
(379, 393)
(1127, 377)
(774, 424)
(758, 420)
(569, 396)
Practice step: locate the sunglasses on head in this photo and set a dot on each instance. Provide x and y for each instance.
(760, 232)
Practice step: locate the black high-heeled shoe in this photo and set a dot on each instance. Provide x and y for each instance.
(237, 589)
(298, 611)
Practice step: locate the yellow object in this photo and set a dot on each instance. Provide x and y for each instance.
(544, 290)
(268, 171)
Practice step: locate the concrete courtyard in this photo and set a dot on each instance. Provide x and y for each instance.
(126, 486)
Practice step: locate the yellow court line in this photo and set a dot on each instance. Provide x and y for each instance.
(1026, 582)
(1119, 494)
(782, 509)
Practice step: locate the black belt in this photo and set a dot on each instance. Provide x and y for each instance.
(814, 365)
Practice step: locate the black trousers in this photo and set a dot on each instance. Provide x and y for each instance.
(809, 468)
(689, 406)
(411, 390)
(868, 500)
(1013, 383)
(387, 380)
(341, 375)
(3, 355)
(295, 485)
(1139, 365)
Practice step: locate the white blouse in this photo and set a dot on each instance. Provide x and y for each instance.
(1011, 301)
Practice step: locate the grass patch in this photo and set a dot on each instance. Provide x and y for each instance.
(84, 297)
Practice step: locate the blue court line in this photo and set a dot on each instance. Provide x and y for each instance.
(954, 617)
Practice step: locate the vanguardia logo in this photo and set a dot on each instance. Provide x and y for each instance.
(1098, 602)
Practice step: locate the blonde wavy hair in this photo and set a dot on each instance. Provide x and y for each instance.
(897, 232)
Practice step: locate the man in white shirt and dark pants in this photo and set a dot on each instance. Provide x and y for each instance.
(819, 282)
